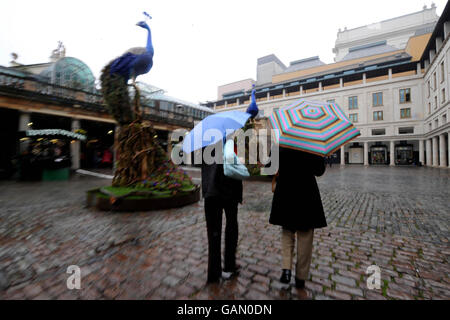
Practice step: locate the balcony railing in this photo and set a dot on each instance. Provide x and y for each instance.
(29, 87)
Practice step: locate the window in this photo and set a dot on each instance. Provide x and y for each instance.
(435, 102)
(442, 71)
(353, 117)
(353, 103)
(378, 115)
(331, 101)
(443, 96)
(434, 81)
(405, 95)
(408, 130)
(405, 113)
(378, 132)
(429, 107)
(377, 99)
(428, 88)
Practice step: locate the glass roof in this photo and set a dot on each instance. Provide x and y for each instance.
(70, 72)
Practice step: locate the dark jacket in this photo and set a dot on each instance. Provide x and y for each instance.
(216, 184)
(296, 203)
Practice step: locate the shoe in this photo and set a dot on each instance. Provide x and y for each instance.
(229, 273)
(285, 276)
(299, 284)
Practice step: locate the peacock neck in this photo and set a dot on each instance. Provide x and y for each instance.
(149, 41)
(253, 96)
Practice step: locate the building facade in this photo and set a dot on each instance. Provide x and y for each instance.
(382, 88)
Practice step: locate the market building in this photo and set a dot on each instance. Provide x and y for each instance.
(378, 79)
(63, 94)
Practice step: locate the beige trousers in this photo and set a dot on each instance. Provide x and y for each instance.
(304, 251)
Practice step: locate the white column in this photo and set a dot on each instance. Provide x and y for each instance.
(366, 153)
(301, 90)
(284, 93)
(392, 153)
(442, 152)
(24, 120)
(435, 152)
(343, 156)
(268, 95)
(421, 152)
(429, 153)
(320, 86)
(364, 78)
(432, 55)
(419, 68)
(448, 148)
(341, 82)
(238, 102)
(390, 73)
(75, 147)
(438, 44)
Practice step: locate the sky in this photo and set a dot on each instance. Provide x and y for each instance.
(199, 44)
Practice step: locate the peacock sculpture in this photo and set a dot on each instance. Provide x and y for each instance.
(142, 162)
(253, 107)
(253, 110)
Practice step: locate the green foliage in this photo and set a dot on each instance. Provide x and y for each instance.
(116, 97)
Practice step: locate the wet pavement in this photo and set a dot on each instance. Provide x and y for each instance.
(395, 218)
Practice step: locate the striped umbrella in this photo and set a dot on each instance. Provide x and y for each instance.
(311, 126)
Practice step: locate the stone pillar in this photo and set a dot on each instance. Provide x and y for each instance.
(438, 44)
(390, 73)
(24, 120)
(238, 102)
(419, 68)
(115, 146)
(320, 86)
(421, 152)
(301, 90)
(435, 152)
(429, 153)
(343, 156)
(446, 29)
(268, 95)
(341, 82)
(364, 78)
(442, 152)
(366, 153)
(448, 148)
(284, 93)
(392, 153)
(75, 146)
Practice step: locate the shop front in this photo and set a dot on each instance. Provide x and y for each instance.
(378, 155)
(404, 155)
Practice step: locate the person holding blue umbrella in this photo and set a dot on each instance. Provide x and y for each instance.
(221, 192)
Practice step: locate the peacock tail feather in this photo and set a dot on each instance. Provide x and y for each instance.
(116, 97)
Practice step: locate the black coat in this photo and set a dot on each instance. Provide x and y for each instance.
(296, 203)
(216, 184)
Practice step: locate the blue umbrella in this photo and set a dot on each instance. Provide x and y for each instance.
(214, 128)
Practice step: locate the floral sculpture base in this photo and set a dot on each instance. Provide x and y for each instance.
(114, 199)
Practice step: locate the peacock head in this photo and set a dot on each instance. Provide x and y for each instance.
(142, 24)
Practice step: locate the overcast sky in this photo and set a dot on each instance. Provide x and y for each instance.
(199, 44)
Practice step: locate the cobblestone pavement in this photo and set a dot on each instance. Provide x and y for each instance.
(397, 218)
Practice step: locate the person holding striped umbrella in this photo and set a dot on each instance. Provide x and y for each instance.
(306, 132)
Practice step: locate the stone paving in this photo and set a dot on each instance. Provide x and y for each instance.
(396, 218)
